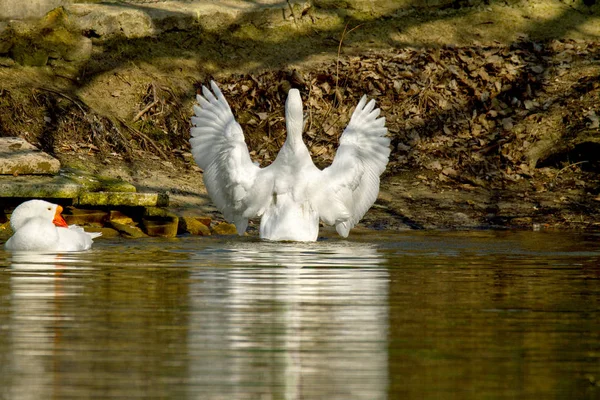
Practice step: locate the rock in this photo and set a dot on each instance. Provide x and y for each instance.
(68, 45)
(27, 55)
(108, 20)
(160, 222)
(130, 231)
(194, 226)
(161, 228)
(55, 187)
(77, 216)
(6, 61)
(5, 231)
(21, 158)
(5, 39)
(81, 50)
(123, 199)
(224, 228)
(522, 221)
(95, 183)
(105, 231)
(462, 219)
(13, 9)
(119, 217)
(34, 43)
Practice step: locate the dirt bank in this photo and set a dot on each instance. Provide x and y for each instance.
(493, 110)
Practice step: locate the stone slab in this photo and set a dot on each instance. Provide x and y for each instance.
(18, 157)
(15, 9)
(96, 183)
(123, 199)
(38, 187)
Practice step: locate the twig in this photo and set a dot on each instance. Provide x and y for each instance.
(292, 11)
(149, 106)
(143, 136)
(309, 107)
(76, 102)
(337, 63)
(568, 166)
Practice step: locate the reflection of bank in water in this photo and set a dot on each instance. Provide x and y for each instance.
(316, 329)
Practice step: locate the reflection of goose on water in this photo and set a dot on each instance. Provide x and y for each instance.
(40, 286)
(39, 226)
(298, 255)
(309, 332)
(291, 194)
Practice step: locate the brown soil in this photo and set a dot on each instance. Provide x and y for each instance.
(497, 132)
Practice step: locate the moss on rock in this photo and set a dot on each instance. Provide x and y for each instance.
(127, 230)
(193, 226)
(5, 231)
(51, 37)
(224, 228)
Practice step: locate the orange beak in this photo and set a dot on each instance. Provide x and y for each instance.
(58, 219)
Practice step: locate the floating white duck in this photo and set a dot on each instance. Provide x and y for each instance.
(291, 194)
(39, 226)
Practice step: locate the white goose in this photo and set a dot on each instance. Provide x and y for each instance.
(291, 194)
(39, 226)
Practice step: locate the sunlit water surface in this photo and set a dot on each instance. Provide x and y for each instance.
(478, 315)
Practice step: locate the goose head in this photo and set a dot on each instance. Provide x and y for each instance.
(37, 209)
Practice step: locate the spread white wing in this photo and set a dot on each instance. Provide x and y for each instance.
(351, 182)
(238, 187)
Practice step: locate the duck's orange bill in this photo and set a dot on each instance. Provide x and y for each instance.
(58, 219)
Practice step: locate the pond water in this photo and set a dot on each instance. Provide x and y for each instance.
(415, 315)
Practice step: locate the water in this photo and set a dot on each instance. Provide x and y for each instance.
(436, 315)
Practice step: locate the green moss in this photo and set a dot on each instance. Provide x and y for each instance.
(159, 212)
(51, 37)
(248, 31)
(45, 168)
(193, 226)
(123, 199)
(96, 183)
(160, 222)
(128, 230)
(5, 231)
(24, 54)
(60, 40)
(224, 228)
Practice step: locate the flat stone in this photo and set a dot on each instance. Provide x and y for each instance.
(105, 231)
(120, 217)
(127, 230)
(38, 187)
(107, 20)
(123, 199)
(10, 9)
(160, 222)
(18, 157)
(193, 226)
(95, 183)
(224, 228)
(76, 216)
(161, 228)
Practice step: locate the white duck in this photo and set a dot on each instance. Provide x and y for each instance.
(39, 226)
(291, 194)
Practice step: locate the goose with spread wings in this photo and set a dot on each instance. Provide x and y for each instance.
(290, 195)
